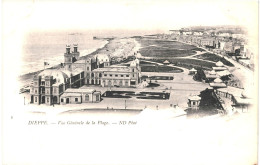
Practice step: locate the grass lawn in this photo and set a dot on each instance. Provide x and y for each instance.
(214, 58)
(159, 68)
(162, 48)
(138, 95)
(188, 63)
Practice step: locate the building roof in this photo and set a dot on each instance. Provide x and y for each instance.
(59, 75)
(79, 90)
(133, 64)
(101, 58)
(219, 64)
(195, 98)
(218, 80)
(76, 71)
(217, 84)
(231, 90)
(243, 101)
(113, 69)
(166, 62)
(212, 72)
(71, 95)
(193, 70)
(223, 73)
(213, 76)
(219, 68)
(80, 61)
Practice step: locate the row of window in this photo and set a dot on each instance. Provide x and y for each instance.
(35, 99)
(86, 98)
(105, 75)
(42, 83)
(47, 91)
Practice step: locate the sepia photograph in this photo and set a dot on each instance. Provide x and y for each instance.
(129, 82)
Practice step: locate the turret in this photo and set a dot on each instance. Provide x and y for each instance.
(68, 49)
(75, 46)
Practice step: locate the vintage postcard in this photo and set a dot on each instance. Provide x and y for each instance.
(129, 82)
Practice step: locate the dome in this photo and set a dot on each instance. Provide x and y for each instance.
(218, 80)
(219, 64)
(57, 74)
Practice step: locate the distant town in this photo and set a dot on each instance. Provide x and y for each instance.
(195, 71)
(226, 40)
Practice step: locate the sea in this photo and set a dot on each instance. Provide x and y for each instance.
(50, 46)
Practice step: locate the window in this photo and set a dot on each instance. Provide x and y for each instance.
(133, 70)
(47, 83)
(35, 92)
(97, 98)
(111, 75)
(35, 99)
(133, 75)
(76, 99)
(55, 90)
(47, 99)
(43, 83)
(116, 75)
(86, 97)
(47, 91)
(87, 68)
(127, 75)
(122, 75)
(61, 100)
(194, 103)
(105, 75)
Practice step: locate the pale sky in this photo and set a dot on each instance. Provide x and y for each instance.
(126, 14)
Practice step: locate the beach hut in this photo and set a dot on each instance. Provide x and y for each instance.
(193, 102)
(219, 67)
(166, 62)
(192, 71)
(218, 83)
(211, 75)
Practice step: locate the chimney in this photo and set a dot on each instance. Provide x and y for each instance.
(75, 48)
(68, 49)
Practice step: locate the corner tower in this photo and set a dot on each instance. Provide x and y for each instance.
(68, 58)
(75, 52)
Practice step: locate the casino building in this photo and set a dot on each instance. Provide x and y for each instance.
(99, 71)
(53, 86)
